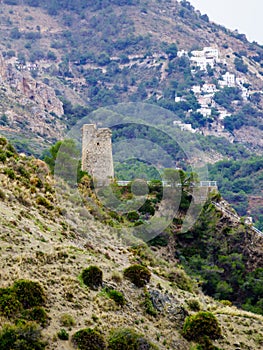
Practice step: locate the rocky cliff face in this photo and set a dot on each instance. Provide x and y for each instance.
(250, 136)
(36, 103)
(24, 84)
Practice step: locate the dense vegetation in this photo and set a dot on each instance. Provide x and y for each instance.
(240, 118)
(239, 181)
(23, 304)
(216, 254)
(202, 327)
(128, 339)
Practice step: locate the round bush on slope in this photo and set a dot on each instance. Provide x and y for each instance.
(25, 336)
(138, 275)
(203, 324)
(37, 314)
(89, 339)
(29, 293)
(128, 339)
(117, 296)
(92, 277)
(9, 304)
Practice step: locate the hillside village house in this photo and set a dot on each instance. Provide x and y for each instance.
(228, 80)
(223, 113)
(207, 56)
(205, 111)
(182, 53)
(205, 100)
(184, 126)
(209, 88)
(196, 89)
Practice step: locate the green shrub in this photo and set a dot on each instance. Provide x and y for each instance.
(23, 172)
(226, 302)
(206, 344)
(11, 148)
(67, 320)
(3, 141)
(29, 293)
(9, 305)
(128, 339)
(22, 300)
(194, 304)
(117, 296)
(22, 336)
(89, 339)
(44, 202)
(182, 280)
(202, 324)
(63, 334)
(92, 277)
(37, 314)
(9, 154)
(10, 173)
(159, 241)
(133, 216)
(138, 275)
(2, 157)
(149, 308)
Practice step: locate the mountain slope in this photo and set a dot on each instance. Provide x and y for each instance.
(50, 237)
(104, 52)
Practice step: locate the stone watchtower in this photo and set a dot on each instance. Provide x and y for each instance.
(97, 157)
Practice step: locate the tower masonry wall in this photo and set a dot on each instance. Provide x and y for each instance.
(97, 157)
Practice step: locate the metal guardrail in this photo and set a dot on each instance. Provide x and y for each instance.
(237, 217)
(123, 183)
(230, 213)
(257, 231)
(164, 183)
(208, 184)
(168, 183)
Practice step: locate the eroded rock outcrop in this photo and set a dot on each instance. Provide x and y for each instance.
(30, 105)
(34, 90)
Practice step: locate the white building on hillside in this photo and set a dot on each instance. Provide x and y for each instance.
(205, 111)
(199, 62)
(207, 56)
(184, 126)
(244, 93)
(209, 88)
(205, 100)
(223, 113)
(229, 80)
(196, 89)
(178, 99)
(182, 53)
(211, 53)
